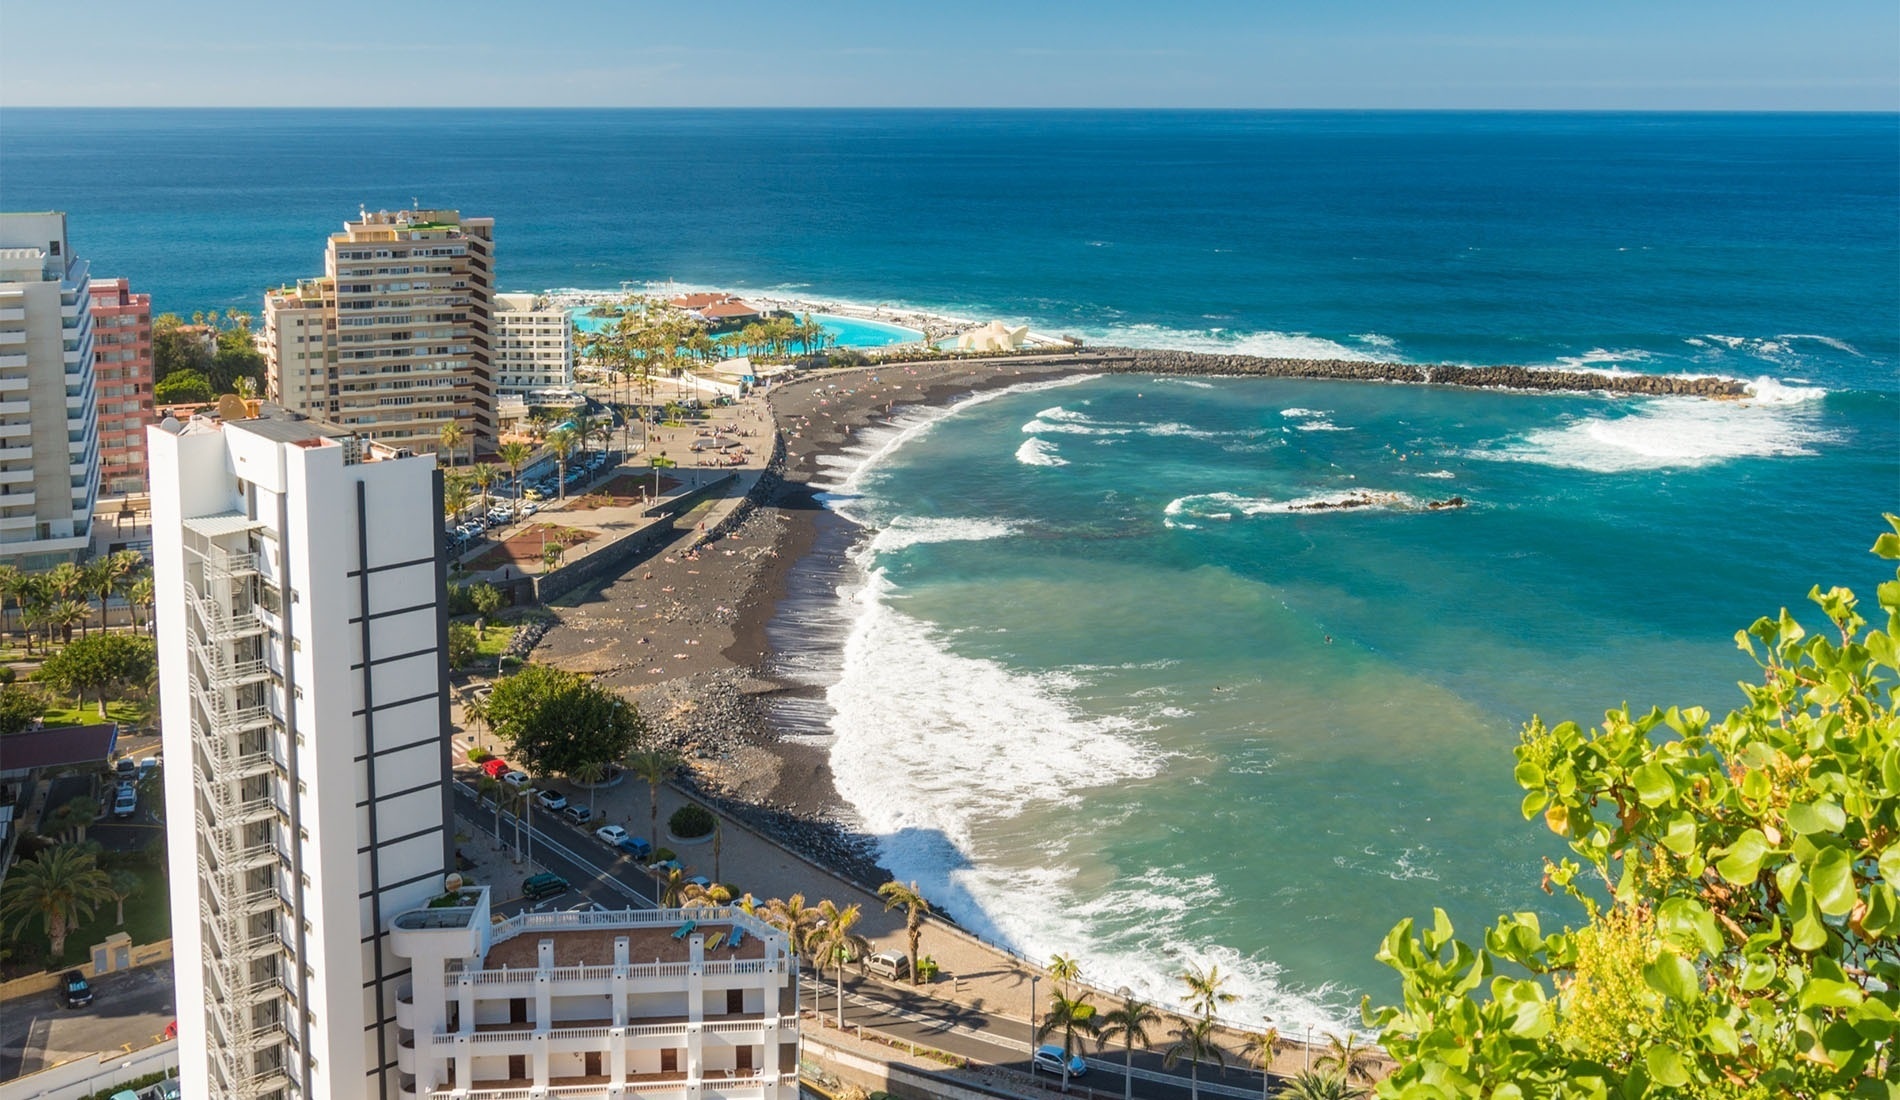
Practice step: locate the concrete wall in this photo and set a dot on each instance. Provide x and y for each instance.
(83, 1077)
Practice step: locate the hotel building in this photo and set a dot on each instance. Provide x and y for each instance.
(534, 345)
(394, 341)
(122, 381)
(302, 658)
(669, 1004)
(49, 427)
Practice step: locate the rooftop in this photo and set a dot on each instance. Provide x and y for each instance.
(57, 747)
(594, 946)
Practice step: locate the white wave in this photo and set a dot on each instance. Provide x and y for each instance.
(1039, 452)
(1377, 340)
(1442, 474)
(1057, 412)
(1319, 426)
(1770, 391)
(1602, 360)
(1272, 345)
(1172, 380)
(1838, 345)
(1297, 413)
(1227, 505)
(914, 530)
(1669, 432)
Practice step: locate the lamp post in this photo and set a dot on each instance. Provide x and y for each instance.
(1032, 1025)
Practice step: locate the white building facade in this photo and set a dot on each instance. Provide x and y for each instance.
(534, 345)
(669, 1004)
(49, 423)
(302, 659)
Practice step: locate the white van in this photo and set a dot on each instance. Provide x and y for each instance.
(888, 964)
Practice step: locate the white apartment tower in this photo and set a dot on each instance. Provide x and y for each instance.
(668, 1004)
(302, 658)
(393, 342)
(534, 345)
(49, 425)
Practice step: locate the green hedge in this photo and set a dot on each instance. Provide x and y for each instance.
(690, 821)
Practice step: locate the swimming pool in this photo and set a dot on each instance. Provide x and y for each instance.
(846, 332)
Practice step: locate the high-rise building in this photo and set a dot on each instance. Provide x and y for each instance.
(122, 382)
(302, 663)
(667, 1004)
(49, 430)
(393, 342)
(534, 345)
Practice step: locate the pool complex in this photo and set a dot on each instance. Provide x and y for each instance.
(846, 332)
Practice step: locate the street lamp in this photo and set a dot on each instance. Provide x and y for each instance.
(1032, 1025)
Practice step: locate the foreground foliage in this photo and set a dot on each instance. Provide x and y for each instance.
(1737, 880)
(557, 722)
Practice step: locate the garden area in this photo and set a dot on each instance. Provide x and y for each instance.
(529, 547)
(625, 491)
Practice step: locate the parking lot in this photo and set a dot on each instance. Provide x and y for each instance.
(505, 509)
(128, 1010)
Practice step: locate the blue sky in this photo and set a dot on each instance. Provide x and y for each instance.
(1526, 54)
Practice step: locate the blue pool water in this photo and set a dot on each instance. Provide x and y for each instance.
(846, 332)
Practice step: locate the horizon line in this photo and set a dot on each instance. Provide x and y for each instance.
(970, 108)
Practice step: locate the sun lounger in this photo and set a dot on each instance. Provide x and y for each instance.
(685, 930)
(714, 940)
(738, 936)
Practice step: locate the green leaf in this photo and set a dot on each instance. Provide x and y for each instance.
(1654, 784)
(1809, 933)
(1832, 878)
(1757, 972)
(1742, 860)
(1890, 864)
(1721, 1037)
(1665, 1066)
(1808, 818)
(1674, 977)
(1679, 837)
(1827, 993)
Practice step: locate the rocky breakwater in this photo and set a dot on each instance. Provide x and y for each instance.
(1151, 361)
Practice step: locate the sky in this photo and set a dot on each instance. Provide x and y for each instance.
(1445, 54)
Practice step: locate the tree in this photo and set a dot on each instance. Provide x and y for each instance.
(1074, 1018)
(562, 441)
(673, 888)
(115, 573)
(1194, 1042)
(1130, 1024)
(61, 888)
(20, 705)
(514, 454)
(1261, 1048)
(236, 357)
(555, 721)
(1204, 989)
(916, 908)
(456, 495)
(551, 556)
(140, 595)
(792, 917)
(1736, 881)
(1063, 969)
(715, 895)
(656, 766)
(464, 641)
(487, 600)
(62, 616)
(453, 435)
(123, 885)
(182, 387)
(1347, 1056)
(483, 476)
(1315, 1084)
(176, 348)
(71, 820)
(835, 940)
(101, 664)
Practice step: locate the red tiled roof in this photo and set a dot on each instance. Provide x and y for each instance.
(728, 309)
(58, 747)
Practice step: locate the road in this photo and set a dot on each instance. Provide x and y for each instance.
(600, 874)
(128, 1009)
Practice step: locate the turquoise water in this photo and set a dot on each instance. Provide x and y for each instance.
(845, 332)
(1107, 690)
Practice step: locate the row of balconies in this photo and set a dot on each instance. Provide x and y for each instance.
(661, 1086)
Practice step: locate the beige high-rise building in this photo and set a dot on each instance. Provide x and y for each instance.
(394, 340)
(49, 422)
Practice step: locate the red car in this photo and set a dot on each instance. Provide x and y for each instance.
(494, 766)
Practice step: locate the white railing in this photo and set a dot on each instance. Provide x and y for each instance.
(631, 970)
(225, 565)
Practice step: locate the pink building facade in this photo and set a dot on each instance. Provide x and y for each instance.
(122, 383)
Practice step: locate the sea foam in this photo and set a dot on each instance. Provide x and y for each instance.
(1039, 452)
(1228, 505)
(1684, 432)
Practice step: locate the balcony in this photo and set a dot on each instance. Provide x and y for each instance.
(12, 338)
(12, 313)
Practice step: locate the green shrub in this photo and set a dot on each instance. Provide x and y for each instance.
(476, 756)
(690, 821)
(661, 855)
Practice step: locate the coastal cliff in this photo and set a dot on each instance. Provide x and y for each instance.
(1152, 361)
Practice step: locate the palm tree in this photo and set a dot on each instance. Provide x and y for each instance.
(141, 594)
(1261, 1049)
(916, 908)
(1130, 1024)
(562, 441)
(656, 766)
(65, 615)
(67, 580)
(486, 786)
(484, 475)
(1063, 969)
(72, 819)
(455, 495)
(1347, 1057)
(96, 582)
(1194, 1041)
(834, 941)
(123, 885)
(1312, 1084)
(514, 455)
(673, 889)
(33, 595)
(1073, 1017)
(60, 889)
(10, 585)
(1204, 989)
(582, 425)
(714, 895)
(792, 917)
(453, 435)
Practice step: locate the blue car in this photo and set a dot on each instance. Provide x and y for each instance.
(637, 847)
(1049, 1057)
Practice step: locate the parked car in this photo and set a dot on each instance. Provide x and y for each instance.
(494, 766)
(576, 814)
(126, 802)
(147, 765)
(74, 990)
(1049, 1057)
(888, 964)
(551, 801)
(700, 881)
(164, 1090)
(635, 846)
(516, 779)
(127, 768)
(537, 887)
(611, 835)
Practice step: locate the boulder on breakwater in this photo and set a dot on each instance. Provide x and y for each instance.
(1158, 361)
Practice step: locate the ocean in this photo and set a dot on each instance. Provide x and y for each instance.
(1103, 681)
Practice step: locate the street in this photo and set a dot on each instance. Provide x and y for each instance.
(129, 1009)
